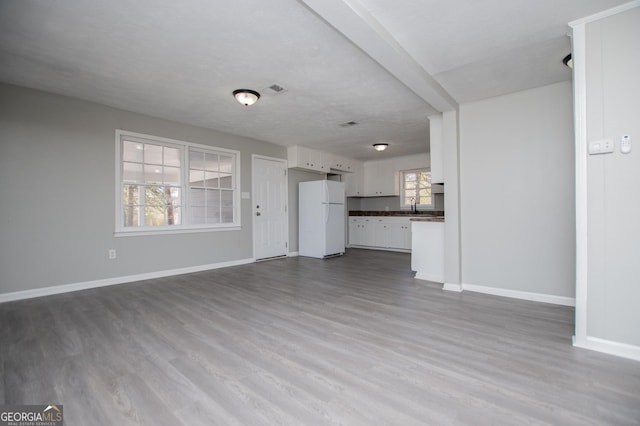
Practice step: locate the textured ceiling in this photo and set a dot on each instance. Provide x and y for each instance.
(181, 61)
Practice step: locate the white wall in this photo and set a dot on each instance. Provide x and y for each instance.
(613, 109)
(406, 162)
(517, 195)
(57, 186)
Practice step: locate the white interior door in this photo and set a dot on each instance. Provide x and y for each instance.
(270, 218)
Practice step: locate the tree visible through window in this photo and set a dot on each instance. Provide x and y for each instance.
(151, 184)
(416, 188)
(166, 184)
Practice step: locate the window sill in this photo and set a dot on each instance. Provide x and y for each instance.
(149, 232)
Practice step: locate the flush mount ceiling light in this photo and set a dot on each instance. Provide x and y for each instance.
(380, 146)
(246, 97)
(568, 61)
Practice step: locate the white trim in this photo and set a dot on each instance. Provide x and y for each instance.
(604, 14)
(581, 184)
(153, 138)
(397, 250)
(66, 288)
(517, 294)
(609, 347)
(165, 231)
(428, 277)
(452, 287)
(293, 254)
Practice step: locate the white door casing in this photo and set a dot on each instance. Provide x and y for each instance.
(269, 207)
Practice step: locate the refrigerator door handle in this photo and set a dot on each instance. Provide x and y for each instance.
(326, 213)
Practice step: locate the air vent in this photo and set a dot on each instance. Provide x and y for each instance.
(348, 124)
(274, 89)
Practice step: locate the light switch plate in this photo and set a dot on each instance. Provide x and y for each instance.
(604, 146)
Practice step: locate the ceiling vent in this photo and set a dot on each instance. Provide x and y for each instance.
(274, 89)
(348, 124)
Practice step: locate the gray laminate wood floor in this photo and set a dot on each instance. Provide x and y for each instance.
(352, 340)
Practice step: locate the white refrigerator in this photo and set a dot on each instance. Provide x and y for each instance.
(321, 218)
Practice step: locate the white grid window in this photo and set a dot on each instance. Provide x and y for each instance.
(166, 185)
(416, 188)
(210, 187)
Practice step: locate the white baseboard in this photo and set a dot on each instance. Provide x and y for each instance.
(428, 277)
(609, 347)
(399, 250)
(452, 287)
(293, 254)
(66, 288)
(516, 294)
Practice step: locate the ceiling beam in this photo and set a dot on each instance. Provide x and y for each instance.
(362, 29)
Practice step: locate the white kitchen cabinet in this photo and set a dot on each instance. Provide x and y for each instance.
(337, 162)
(328, 159)
(361, 231)
(300, 157)
(398, 235)
(347, 164)
(354, 182)
(355, 237)
(380, 232)
(392, 233)
(380, 179)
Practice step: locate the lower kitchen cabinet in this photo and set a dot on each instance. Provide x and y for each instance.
(380, 232)
(361, 232)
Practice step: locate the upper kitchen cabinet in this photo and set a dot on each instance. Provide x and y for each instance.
(381, 179)
(355, 180)
(300, 157)
(437, 159)
(338, 163)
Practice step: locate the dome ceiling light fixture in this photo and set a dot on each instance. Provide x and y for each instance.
(380, 146)
(246, 97)
(568, 61)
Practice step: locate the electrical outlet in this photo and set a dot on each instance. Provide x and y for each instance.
(112, 253)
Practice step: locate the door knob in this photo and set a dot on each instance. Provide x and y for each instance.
(257, 213)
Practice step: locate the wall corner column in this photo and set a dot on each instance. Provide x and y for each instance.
(452, 228)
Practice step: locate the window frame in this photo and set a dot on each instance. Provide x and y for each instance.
(185, 226)
(408, 206)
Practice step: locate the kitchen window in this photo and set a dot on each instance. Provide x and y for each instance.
(416, 188)
(166, 186)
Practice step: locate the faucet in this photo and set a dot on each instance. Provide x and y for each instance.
(414, 207)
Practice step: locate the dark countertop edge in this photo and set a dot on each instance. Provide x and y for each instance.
(427, 219)
(400, 213)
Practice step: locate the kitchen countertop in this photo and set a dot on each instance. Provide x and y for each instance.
(402, 213)
(428, 219)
